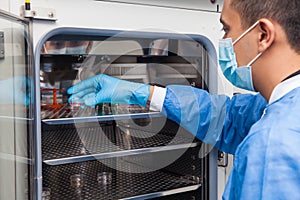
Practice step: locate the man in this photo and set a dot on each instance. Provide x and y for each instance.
(263, 130)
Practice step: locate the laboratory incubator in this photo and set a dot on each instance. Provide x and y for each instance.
(59, 149)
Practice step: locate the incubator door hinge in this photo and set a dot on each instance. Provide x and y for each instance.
(222, 159)
(39, 13)
(1, 44)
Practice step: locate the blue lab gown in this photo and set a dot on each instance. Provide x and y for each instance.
(266, 148)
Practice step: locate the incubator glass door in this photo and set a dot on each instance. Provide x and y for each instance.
(119, 151)
(16, 117)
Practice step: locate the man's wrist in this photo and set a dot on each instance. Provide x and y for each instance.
(156, 98)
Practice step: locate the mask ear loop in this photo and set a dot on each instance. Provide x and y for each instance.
(241, 36)
(247, 31)
(254, 59)
(45, 49)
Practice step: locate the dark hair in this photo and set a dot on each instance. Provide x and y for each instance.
(285, 12)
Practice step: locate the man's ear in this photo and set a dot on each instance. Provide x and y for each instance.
(266, 34)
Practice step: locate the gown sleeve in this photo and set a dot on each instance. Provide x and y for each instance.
(214, 119)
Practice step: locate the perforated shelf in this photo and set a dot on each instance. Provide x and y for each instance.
(124, 185)
(78, 144)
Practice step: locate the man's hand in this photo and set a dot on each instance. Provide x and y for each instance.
(106, 89)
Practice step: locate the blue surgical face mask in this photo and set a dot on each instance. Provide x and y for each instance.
(56, 51)
(239, 76)
(68, 50)
(77, 50)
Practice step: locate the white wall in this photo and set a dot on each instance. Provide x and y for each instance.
(4, 5)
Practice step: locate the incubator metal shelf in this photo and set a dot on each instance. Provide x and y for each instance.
(123, 185)
(78, 144)
(68, 114)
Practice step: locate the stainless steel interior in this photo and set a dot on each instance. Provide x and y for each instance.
(128, 142)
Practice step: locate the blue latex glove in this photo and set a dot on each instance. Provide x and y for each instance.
(106, 89)
(14, 90)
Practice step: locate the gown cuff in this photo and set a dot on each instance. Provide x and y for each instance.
(158, 98)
